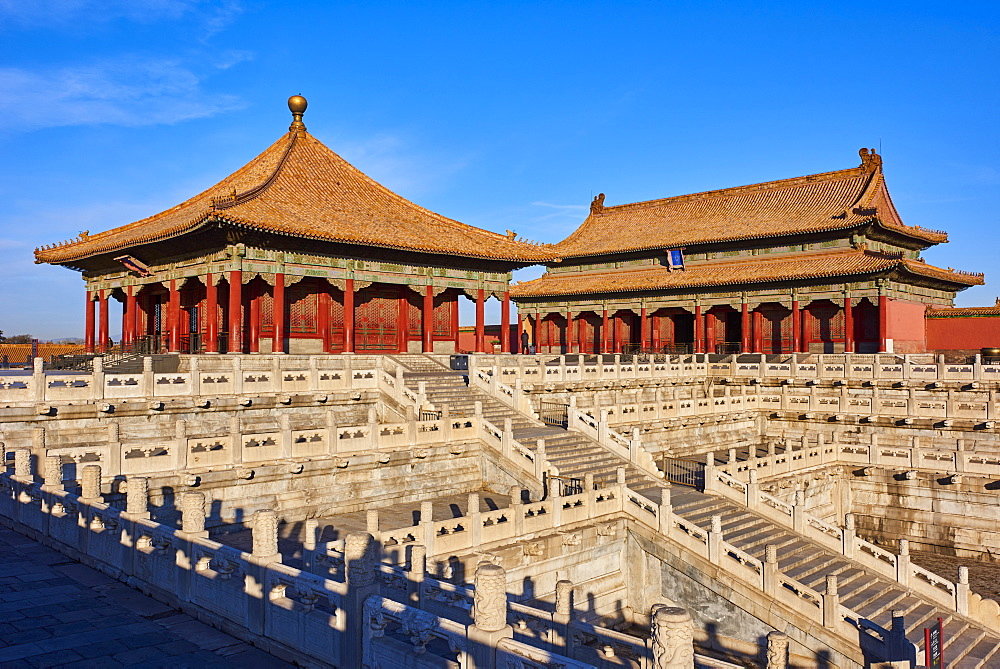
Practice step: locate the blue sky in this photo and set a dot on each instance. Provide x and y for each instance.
(503, 115)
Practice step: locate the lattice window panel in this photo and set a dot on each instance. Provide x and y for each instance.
(827, 324)
(266, 302)
(336, 320)
(377, 321)
(414, 314)
(777, 329)
(303, 308)
(590, 333)
(665, 328)
(443, 319)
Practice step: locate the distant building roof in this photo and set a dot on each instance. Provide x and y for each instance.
(756, 269)
(819, 202)
(300, 188)
(965, 312)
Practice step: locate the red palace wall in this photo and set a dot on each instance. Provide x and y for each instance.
(972, 333)
(906, 327)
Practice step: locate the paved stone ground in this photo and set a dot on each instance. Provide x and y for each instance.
(984, 576)
(56, 612)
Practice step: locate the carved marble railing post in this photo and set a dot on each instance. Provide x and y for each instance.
(831, 603)
(415, 575)
(475, 518)
(309, 542)
(372, 523)
(588, 488)
(962, 591)
(903, 563)
(561, 618)
(193, 514)
(715, 540)
(665, 511)
(265, 537)
(849, 535)
(489, 614)
(90, 484)
(799, 511)
(710, 482)
(672, 638)
(362, 581)
(777, 650)
(753, 490)
(52, 475)
(427, 525)
(22, 465)
(770, 569)
(137, 497)
(540, 460)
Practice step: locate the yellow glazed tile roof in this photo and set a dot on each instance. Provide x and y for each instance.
(809, 204)
(965, 312)
(757, 269)
(299, 187)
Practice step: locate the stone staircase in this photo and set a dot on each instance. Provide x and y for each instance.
(572, 453)
(967, 646)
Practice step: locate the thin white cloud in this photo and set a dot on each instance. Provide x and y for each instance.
(125, 91)
(63, 13)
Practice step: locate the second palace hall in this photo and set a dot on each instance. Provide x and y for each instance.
(300, 252)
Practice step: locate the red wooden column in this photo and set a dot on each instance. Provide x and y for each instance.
(428, 319)
(656, 331)
(480, 321)
(745, 329)
(537, 332)
(569, 332)
(254, 296)
(128, 316)
(278, 315)
(349, 316)
(796, 327)
(848, 326)
(211, 315)
(235, 311)
(643, 329)
(520, 331)
(710, 319)
(758, 331)
(505, 324)
(102, 325)
(402, 320)
(604, 332)
(174, 318)
(699, 330)
(883, 322)
(88, 335)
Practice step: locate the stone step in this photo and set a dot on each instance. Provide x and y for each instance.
(984, 654)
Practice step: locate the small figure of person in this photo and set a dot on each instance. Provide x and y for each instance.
(524, 342)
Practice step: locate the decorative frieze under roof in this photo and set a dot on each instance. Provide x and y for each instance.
(755, 270)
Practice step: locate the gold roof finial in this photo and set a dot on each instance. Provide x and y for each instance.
(297, 105)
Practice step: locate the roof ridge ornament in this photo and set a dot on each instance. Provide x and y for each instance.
(297, 105)
(597, 205)
(870, 160)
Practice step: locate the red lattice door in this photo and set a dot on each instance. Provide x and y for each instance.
(777, 329)
(590, 333)
(376, 320)
(827, 325)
